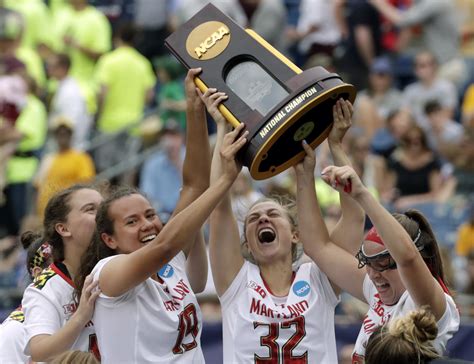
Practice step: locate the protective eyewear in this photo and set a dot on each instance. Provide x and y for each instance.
(379, 262)
(382, 261)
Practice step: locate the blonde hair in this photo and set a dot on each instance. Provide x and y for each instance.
(289, 206)
(406, 339)
(75, 357)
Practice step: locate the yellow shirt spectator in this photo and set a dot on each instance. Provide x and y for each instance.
(32, 123)
(33, 64)
(89, 29)
(127, 77)
(465, 242)
(467, 108)
(36, 21)
(61, 171)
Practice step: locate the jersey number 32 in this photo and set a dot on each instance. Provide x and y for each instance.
(282, 354)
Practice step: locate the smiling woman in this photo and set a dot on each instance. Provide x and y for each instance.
(403, 271)
(147, 311)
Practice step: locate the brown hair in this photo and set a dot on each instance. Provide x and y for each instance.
(404, 340)
(412, 220)
(289, 205)
(97, 249)
(56, 211)
(421, 132)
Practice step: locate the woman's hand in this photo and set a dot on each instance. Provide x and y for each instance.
(342, 114)
(344, 179)
(305, 168)
(192, 92)
(212, 99)
(231, 144)
(89, 294)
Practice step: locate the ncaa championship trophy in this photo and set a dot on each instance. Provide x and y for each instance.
(279, 103)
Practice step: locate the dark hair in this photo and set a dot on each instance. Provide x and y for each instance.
(32, 242)
(432, 106)
(127, 33)
(97, 249)
(421, 132)
(412, 220)
(63, 60)
(404, 340)
(56, 211)
(289, 206)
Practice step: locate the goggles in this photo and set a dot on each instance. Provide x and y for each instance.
(381, 261)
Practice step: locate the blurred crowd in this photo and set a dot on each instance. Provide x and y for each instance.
(88, 91)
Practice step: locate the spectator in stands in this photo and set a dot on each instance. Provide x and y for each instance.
(467, 108)
(64, 168)
(186, 9)
(87, 38)
(13, 96)
(429, 87)
(68, 101)
(160, 177)
(11, 33)
(388, 138)
(266, 17)
(465, 239)
(126, 82)
(413, 172)
(37, 24)
(374, 104)
(404, 340)
(317, 31)
(440, 31)
(170, 98)
(461, 156)
(12, 330)
(470, 272)
(443, 131)
(151, 19)
(361, 40)
(21, 167)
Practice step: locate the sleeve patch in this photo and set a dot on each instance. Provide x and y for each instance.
(45, 276)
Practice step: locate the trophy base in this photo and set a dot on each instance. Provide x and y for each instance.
(307, 114)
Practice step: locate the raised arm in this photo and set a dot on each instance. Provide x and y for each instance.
(129, 270)
(197, 265)
(196, 170)
(197, 162)
(414, 273)
(224, 242)
(349, 230)
(339, 265)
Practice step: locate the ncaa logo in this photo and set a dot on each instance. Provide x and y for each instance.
(301, 288)
(166, 272)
